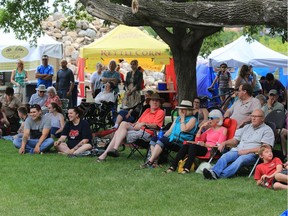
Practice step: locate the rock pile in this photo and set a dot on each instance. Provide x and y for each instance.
(85, 33)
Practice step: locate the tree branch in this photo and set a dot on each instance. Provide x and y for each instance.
(200, 13)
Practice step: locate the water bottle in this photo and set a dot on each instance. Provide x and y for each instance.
(160, 133)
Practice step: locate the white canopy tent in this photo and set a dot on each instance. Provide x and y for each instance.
(12, 49)
(241, 52)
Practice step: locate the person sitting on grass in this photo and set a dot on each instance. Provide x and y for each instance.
(153, 117)
(36, 136)
(77, 132)
(130, 115)
(23, 115)
(248, 141)
(4, 123)
(186, 122)
(265, 173)
(203, 141)
(57, 119)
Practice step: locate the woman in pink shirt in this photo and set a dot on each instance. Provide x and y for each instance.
(203, 141)
(52, 97)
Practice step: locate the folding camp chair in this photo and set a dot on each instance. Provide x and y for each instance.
(231, 125)
(141, 144)
(278, 117)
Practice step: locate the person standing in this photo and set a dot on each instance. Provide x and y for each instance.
(224, 81)
(65, 82)
(44, 73)
(36, 133)
(95, 80)
(133, 86)
(18, 78)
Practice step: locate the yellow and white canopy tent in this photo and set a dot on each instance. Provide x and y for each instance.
(127, 43)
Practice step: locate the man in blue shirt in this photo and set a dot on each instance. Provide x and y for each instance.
(44, 73)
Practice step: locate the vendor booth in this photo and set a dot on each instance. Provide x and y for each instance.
(12, 49)
(123, 42)
(263, 59)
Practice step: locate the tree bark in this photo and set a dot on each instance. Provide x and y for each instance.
(195, 13)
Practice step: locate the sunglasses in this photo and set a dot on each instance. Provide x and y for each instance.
(212, 118)
(42, 91)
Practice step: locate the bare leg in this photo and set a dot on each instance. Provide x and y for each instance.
(63, 148)
(284, 141)
(279, 186)
(83, 148)
(155, 152)
(118, 120)
(281, 177)
(117, 139)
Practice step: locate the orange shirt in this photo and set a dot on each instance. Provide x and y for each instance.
(149, 117)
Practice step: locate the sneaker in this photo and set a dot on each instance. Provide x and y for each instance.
(209, 174)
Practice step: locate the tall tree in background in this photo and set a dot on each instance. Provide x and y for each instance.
(191, 22)
(182, 24)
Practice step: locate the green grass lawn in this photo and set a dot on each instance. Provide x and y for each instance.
(53, 184)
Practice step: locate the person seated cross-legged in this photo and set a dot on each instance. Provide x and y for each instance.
(152, 117)
(77, 132)
(36, 136)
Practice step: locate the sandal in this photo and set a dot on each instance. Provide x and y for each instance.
(100, 160)
(185, 171)
(169, 170)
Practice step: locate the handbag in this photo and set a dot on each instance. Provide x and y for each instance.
(181, 165)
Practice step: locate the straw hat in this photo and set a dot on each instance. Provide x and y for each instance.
(41, 88)
(185, 104)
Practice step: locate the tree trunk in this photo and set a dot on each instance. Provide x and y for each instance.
(185, 69)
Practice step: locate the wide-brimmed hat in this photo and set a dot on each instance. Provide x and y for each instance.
(185, 104)
(41, 88)
(154, 96)
(273, 92)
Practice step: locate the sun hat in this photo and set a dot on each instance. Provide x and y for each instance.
(154, 96)
(216, 114)
(273, 92)
(185, 104)
(41, 88)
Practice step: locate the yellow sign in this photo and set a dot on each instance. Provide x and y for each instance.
(15, 52)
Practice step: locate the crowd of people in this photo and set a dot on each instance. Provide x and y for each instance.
(38, 133)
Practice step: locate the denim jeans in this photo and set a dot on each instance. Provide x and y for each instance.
(230, 162)
(62, 93)
(31, 143)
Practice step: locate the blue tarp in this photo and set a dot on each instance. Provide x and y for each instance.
(206, 75)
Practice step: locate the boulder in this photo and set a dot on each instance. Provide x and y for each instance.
(79, 40)
(82, 33)
(91, 33)
(57, 35)
(72, 34)
(58, 15)
(84, 25)
(69, 50)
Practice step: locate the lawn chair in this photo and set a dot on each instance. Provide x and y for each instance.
(278, 117)
(141, 144)
(231, 125)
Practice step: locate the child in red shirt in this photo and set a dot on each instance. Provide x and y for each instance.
(266, 173)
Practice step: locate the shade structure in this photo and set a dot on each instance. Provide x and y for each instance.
(241, 52)
(12, 49)
(128, 43)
